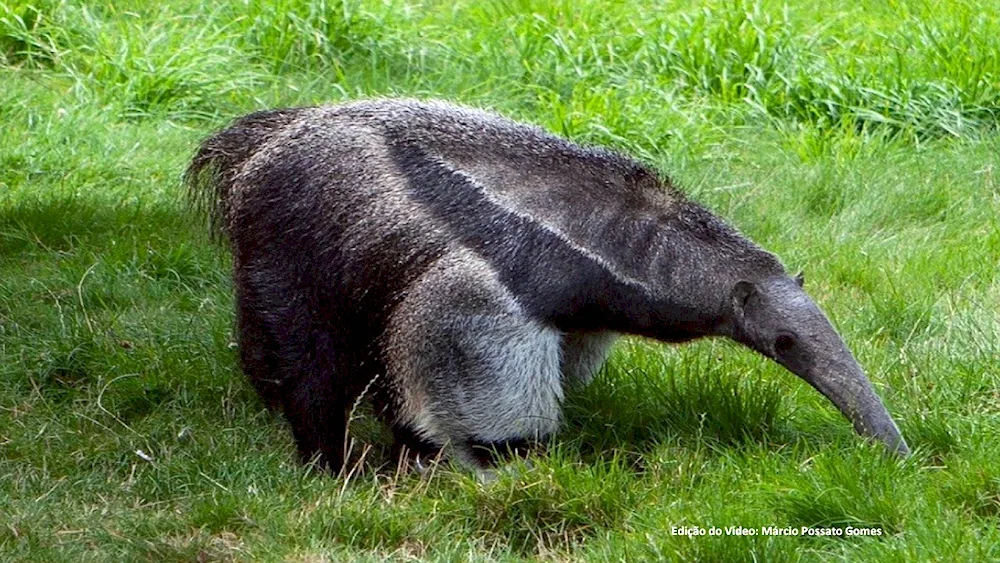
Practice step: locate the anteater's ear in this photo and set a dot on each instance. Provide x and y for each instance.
(741, 297)
(800, 278)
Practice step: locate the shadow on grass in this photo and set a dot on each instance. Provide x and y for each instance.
(60, 224)
(645, 397)
(160, 241)
(108, 254)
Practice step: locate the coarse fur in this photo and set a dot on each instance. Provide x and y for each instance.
(464, 268)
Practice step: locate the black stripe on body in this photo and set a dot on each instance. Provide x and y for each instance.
(554, 281)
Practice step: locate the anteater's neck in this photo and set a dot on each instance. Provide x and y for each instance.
(667, 277)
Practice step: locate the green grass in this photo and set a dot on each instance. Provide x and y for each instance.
(859, 143)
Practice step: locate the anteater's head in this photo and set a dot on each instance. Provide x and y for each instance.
(776, 318)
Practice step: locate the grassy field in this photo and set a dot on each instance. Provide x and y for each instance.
(859, 143)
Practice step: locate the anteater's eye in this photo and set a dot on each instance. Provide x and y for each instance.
(783, 343)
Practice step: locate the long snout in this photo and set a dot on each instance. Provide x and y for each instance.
(845, 384)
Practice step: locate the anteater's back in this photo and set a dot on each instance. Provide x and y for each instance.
(525, 167)
(367, 194)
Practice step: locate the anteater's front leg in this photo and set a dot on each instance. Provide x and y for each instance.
(584, 354)
(471, 369)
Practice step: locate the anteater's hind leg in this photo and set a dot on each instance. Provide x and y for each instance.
(472, 371)
(295, 361)
(315, 407)
(257, 346)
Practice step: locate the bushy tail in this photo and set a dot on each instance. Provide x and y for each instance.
(212, 173)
